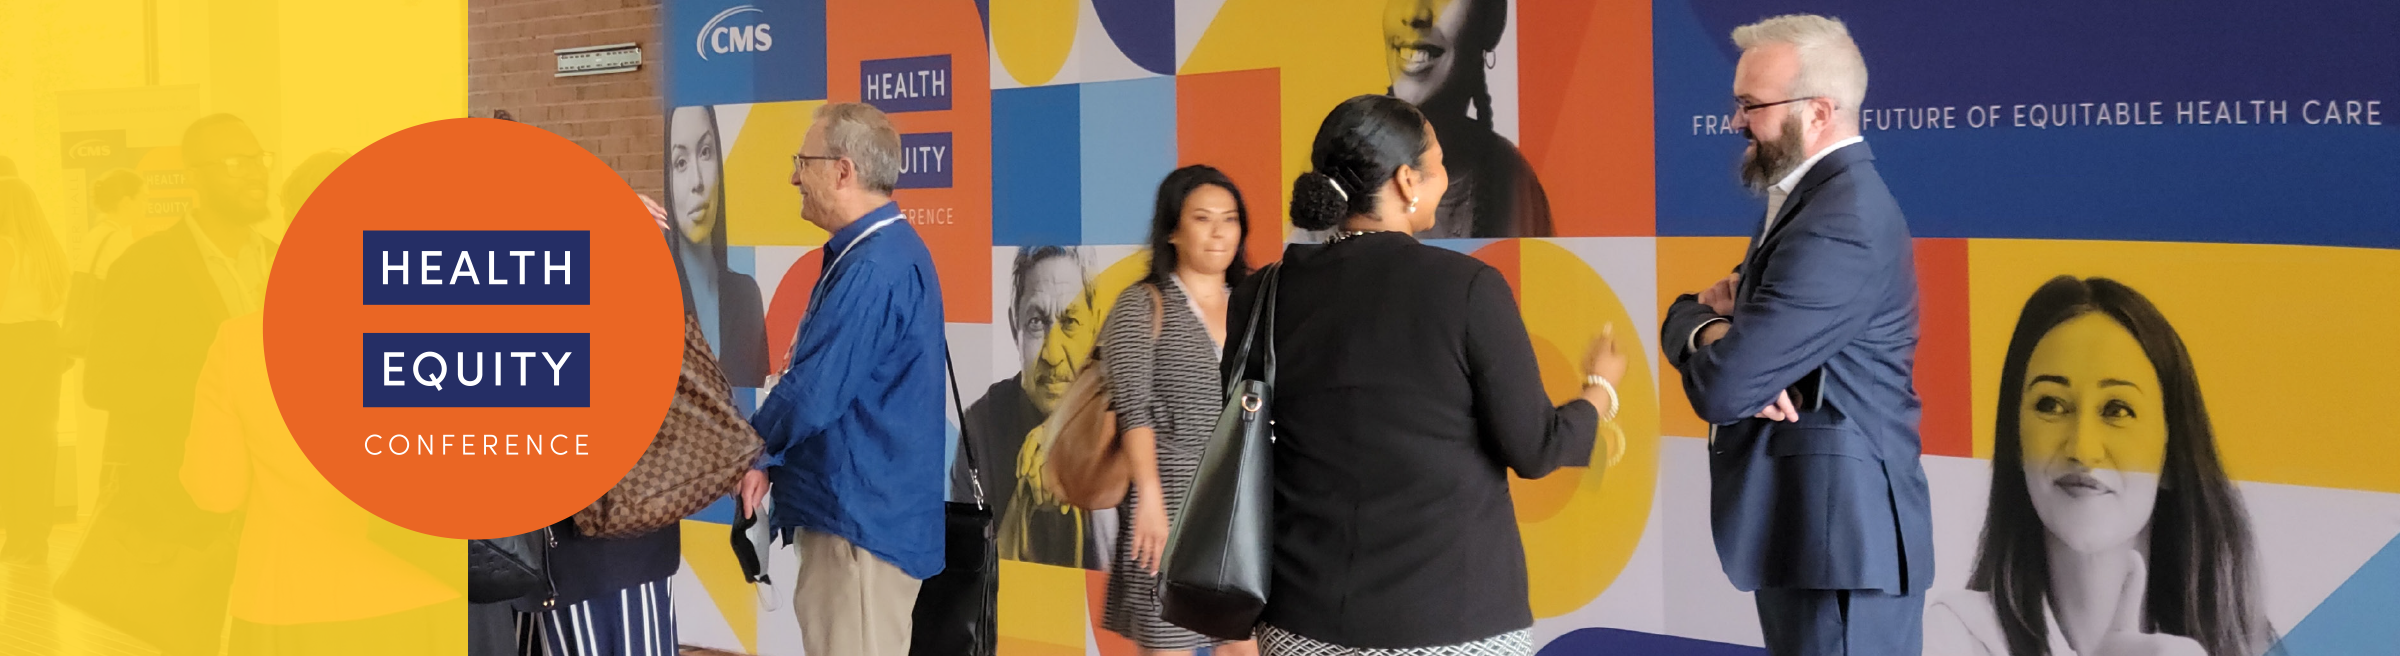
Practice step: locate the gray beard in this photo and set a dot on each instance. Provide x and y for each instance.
(1768, 161)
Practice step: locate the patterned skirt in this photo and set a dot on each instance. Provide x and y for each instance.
(637, 621)
(1278, 642)
(1132, 609)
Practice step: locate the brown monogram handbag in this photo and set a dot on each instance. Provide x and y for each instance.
(701, 451)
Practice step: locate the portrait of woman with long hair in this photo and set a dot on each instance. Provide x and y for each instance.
(2113, 528)
(731, 313)
(1439, 54)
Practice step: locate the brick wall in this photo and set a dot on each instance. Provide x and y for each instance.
(618, 116)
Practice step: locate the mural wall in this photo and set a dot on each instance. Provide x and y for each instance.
(2223, 212)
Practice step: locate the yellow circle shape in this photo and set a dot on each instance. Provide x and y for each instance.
(1581, 525)
(1032, 37)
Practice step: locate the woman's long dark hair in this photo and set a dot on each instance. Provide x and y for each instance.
(2201, 583)
(1486, 20)
(1168, 215)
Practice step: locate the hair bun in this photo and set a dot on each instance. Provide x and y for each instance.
(1318, 202)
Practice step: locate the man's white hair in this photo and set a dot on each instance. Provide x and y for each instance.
(863, 134)
(1830, 64)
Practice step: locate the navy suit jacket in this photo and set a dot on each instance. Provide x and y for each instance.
(1838, 499)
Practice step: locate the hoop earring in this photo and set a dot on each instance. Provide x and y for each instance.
(1491, 60)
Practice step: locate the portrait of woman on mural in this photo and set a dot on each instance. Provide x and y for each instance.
(731, 313)
(2113, 528)
(1439, 54)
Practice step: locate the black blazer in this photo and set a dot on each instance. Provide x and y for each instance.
(1406, 390)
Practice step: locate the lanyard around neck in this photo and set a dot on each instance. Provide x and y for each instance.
(827, 278)
(817, 293)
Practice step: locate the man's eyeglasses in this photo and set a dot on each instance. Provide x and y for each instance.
(798, 158)
(1740, 108)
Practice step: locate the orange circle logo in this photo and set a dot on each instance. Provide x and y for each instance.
(472, 328)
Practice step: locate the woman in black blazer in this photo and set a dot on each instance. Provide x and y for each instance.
(1407, 390)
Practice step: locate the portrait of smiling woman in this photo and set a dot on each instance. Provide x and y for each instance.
(731, 313)
(2113, 528)
(1440, 54)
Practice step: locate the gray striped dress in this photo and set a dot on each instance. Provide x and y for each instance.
(1171, 386)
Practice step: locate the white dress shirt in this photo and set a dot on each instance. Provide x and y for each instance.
(1783, 188)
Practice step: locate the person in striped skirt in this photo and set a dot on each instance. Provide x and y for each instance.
(1161, 344)
(613, 597)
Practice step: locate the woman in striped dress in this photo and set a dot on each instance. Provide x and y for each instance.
(1161, 344)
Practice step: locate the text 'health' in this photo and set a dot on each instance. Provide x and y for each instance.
(477, 267)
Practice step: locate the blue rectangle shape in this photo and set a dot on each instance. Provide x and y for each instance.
(1128, 146)
(476, 267)
(925, 160)
(1037, 167)
(908, 84)
(511, 370)
(721, 52)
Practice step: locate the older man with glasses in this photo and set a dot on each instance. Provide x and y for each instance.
(854, 427)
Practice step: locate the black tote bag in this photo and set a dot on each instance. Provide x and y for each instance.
(1217, 564)
(957, 611)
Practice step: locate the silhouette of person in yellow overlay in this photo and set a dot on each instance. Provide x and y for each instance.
(33, 289)
(153, 565)
(308, 576)
(207, 505)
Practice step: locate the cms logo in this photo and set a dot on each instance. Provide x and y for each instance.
(716, 37)
(90, 148)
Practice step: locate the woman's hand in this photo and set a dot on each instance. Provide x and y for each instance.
(658, 213)
(1150, 533)
(1604, 361)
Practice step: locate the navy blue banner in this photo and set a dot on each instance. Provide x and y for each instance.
(911, 84)
(477, 370)
(744, 51)
(2194, 121)
(477, 267)
(925, 160)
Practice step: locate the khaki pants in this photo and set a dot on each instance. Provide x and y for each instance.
(849, 602)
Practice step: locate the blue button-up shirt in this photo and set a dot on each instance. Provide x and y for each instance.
(853, 429)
